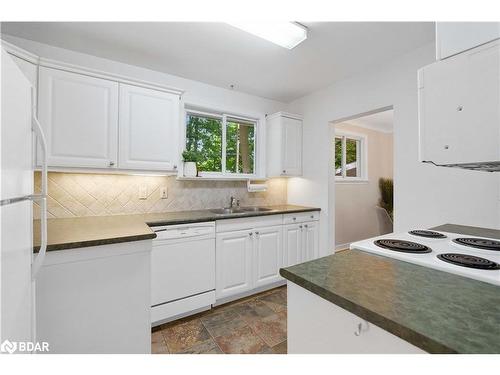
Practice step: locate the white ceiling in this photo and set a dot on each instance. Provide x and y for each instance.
(381, 121)
(221, 55)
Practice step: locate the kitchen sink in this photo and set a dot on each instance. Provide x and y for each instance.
(226, 211)
(240, 210)
(255, 209)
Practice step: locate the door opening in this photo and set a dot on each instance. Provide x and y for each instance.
(361, 182)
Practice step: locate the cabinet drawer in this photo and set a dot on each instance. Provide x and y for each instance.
(248, 223)
(300, 217)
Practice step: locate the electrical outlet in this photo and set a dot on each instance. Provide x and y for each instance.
(143, 191)
(163, 192)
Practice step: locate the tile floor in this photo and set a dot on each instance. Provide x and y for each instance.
(253, 325)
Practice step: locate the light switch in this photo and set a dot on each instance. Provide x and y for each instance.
(163, 192)
(143, 191)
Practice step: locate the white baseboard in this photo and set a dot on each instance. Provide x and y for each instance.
(342, 246)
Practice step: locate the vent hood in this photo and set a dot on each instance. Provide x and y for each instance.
(459, 110)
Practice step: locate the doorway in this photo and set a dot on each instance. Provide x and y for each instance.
(361, 177)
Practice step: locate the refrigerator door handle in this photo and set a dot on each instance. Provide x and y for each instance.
(42, 198)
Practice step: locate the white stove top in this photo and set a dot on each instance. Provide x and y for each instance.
(438, 246)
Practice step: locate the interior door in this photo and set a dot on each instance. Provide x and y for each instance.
(292, 146)
(268, 255)
(233, 263)
(79, 115)
(292, 244)
(149, 123)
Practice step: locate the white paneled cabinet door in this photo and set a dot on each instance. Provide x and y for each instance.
(268, 255)
(310, 236)
(79, 115)
(233, 263)
(292, 244)
(149, 123)
(292, 147)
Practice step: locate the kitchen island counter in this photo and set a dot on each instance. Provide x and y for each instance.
(435, 311)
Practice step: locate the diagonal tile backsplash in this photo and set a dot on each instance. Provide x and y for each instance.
(83, 194)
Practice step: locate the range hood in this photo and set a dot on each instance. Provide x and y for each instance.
(459, 110)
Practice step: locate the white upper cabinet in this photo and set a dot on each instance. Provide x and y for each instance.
(79, 115)
(284, 145)
(456, 37)
(149, 123)
(459, 108)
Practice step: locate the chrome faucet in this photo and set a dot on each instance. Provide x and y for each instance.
(233, 201)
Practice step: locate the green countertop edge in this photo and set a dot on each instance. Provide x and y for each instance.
(414, 338)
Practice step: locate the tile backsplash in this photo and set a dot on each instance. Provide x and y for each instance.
(83, 194)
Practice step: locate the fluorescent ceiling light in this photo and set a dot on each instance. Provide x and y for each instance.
(284, 34)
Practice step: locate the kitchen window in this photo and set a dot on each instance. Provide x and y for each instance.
(226, 143)
(350, 158)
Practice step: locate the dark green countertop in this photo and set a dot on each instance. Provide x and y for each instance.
(436, 311)
(468, 230)
(71, 233)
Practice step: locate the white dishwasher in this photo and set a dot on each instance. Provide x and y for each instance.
(182, 270)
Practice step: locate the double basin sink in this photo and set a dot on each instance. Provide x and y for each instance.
(239, 210)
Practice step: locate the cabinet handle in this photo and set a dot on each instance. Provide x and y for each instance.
(312, 216)
(111, 164)
(357, 332)
(300, 226)
(256, 233)
(284, 170)
(250, 234)
(175, 166)
(294, 218)
(460, 108)
(305, 226)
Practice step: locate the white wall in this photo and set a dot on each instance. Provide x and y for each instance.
(424, 195)
(196, 93)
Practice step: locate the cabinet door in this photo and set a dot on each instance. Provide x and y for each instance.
(292, 244)
(268, 255)
(291, 147)
(459, 108)
(79, 115)
(233, 263)
(310, 236)
(149, 123)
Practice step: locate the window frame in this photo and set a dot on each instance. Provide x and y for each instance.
(361, 157)
(225, 116)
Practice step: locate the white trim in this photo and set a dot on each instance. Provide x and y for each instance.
(342, 246)
(19, 52)
(284, 114)
(362, 156)
(109, 171)
(55, 64)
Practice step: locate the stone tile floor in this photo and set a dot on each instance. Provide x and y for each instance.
(252, 325)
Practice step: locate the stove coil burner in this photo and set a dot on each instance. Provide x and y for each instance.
(479, 243)
(427, 233)
(470, 261)
(403, 246)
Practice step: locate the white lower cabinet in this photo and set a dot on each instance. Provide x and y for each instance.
(318, 326)
(96, 300)
(268, 255)
(233, 263)
(301, 242)
(251, 251)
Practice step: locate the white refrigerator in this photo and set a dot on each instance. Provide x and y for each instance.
(18, 265)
